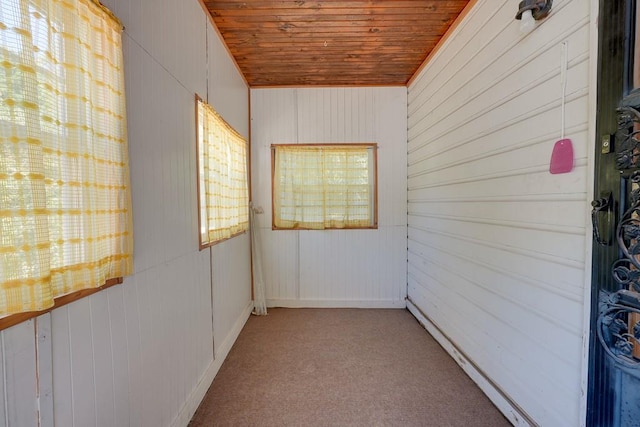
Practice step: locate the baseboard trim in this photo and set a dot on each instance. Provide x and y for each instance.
(516, 415)
(317, 303)
(196, 396)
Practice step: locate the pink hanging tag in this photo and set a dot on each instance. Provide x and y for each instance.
(562, 157)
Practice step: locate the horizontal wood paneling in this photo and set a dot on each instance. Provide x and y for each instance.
(337, 267)
(496, 243)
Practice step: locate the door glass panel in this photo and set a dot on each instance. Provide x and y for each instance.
(634, 318)
(636, 49)
(614, 372)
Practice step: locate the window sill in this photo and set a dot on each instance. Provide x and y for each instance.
(276, 228)
(204, 246)
(14, 319)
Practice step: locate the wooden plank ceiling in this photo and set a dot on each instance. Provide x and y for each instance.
(331, 42)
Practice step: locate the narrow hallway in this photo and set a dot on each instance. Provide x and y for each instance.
(337, 367)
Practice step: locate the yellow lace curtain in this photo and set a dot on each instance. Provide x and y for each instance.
(65, 210)
(222, 167)
(324, 186)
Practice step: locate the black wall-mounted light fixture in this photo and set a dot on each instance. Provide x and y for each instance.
(530, 11)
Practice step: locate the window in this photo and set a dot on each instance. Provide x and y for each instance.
(222, 178)
(324, 186)
(65, 215)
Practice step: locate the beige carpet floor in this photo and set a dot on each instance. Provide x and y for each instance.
(341, 367)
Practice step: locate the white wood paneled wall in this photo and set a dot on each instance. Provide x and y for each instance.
(496, 243)
(142, 354)
(335, 268)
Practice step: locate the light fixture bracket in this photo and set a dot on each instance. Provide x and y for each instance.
(539, 8)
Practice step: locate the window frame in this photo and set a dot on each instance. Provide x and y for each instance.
(203, 245)
(374, 192)
(14, 319)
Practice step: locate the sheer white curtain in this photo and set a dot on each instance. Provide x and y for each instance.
(65, 210)
(324, 186)
(222, 178)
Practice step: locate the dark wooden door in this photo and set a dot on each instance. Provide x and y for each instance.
(614, 363)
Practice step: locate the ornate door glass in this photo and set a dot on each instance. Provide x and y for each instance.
(614, 371)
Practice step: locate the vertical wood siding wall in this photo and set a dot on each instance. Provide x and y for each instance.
(496, 243)
(333, 268)
(142, 354)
